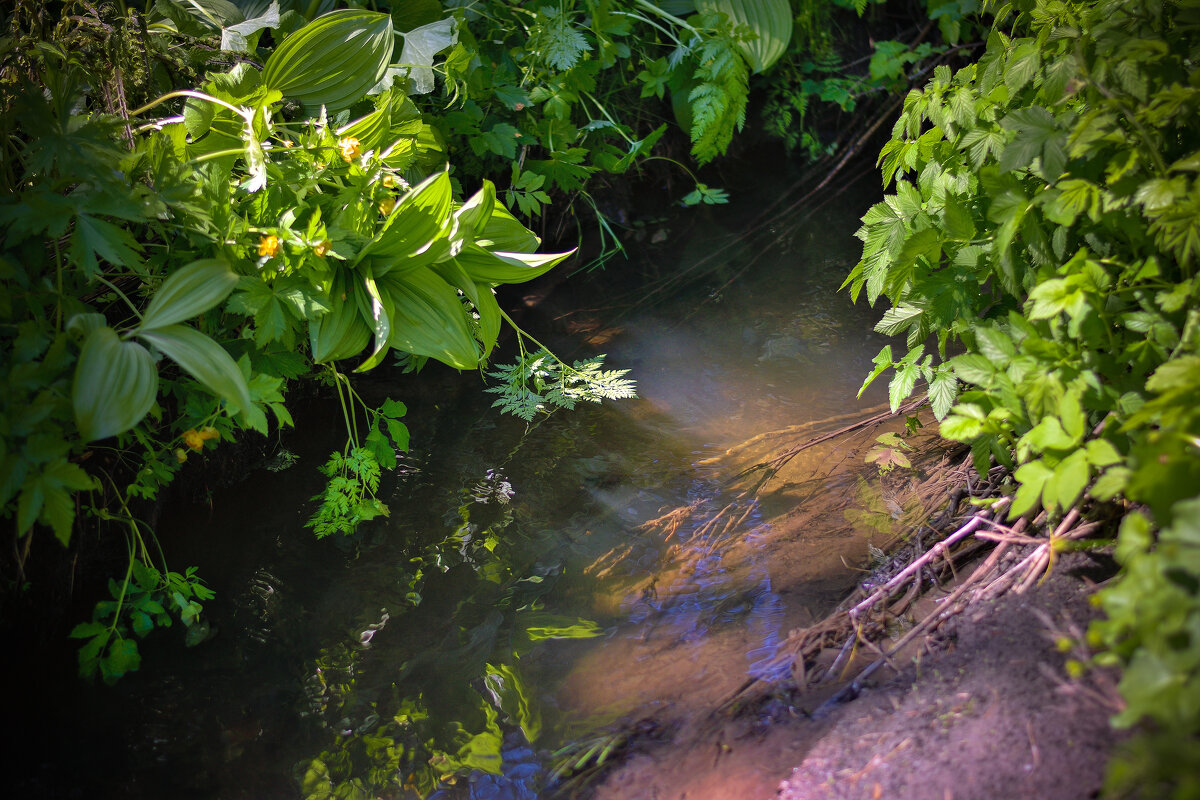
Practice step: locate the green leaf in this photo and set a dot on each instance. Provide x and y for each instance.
(333, 61)
(429, 318)
(974, 368)
(1111, 483)
(375, 309)
(342, 333)
(770, 20)
(204, 360)
(122, 659)
(995, 345)
(114, 387)
(1070, 477)
(1038, 136)
(189, 291)
(86, 630)
(1031, 478)
(943, 391)
(883, 362)
(417, 220)
(1049, 435)
(141, 622)
(902, 383)
(961, 429)
(492, 268)
(898, 319)
(959, 225)
(1022, 65)
(94, 237)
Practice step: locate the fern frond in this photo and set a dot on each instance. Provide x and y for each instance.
(719, 99)
(556, 41)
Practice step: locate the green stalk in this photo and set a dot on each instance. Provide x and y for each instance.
(120, 294)
(653, 9)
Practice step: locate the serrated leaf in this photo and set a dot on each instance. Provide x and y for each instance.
(943, 391)
(902, 384)
(770, 20)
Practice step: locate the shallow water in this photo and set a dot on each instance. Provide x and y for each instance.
(515, 602)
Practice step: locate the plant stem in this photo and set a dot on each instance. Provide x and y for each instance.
(120, 294)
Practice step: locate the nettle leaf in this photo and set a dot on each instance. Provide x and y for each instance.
(943, 391)
(883, 362)
(982, 144)
(1022, 65)
(114, 387)
(898, 319)
(94, 237)
(907, 372)
(958, 225)
(1038, 136)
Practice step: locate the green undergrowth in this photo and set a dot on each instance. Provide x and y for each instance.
(1038, 255)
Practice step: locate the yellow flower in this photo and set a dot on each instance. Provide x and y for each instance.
(351, 148)
(209, 432)
(193, 439)
(388, 180)
(180, 455)
(268, 246)
(386, 205)
(321, 248)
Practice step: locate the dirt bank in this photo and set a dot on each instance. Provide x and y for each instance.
(981, 710)
(976, 705)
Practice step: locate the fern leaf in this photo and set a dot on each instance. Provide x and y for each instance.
(556, 41)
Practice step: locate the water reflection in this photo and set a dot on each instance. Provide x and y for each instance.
(536, 588)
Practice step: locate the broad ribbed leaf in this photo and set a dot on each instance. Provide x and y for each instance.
(333, 61)
(373, 129)
(481, 297)
(504, 232)
(342, 333)
(430, 319)
(115, 385)
(375, 309)
(770, 19)
(416, 221)
(493, 268)
(474, 215)
(190, 290)
(204, 360)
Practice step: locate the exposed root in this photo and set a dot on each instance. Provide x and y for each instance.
(862, 621)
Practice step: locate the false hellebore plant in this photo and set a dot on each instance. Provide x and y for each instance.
(306, 203)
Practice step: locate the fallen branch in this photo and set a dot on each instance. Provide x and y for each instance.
(851, 690)
(932, 553)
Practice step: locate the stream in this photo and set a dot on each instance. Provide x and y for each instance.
(530, 596)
